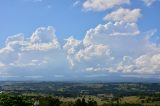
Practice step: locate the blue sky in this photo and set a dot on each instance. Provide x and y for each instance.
(33, 37)
(26, 15)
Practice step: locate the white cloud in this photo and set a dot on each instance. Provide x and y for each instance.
(76, 3)
(101, 45)
(71, 45)
(115, 47)
(148, 2)
(92, 51)
(79, 55)
(125, 15)
(8, 55)
(101, 5)
(102, 33)
(17, 47)
(43, 39)
(148, 63)
(2, 65)
(15, 38)
(110, 47)
(44, 35)
(28, 56)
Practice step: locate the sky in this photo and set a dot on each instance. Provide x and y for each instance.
(76, 40)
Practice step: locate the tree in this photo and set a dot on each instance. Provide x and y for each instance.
(49, 101)
(91, 102)
(83, 103)
(13, 100)
(78, 102)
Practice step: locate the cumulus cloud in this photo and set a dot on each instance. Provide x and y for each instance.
(125, 15)
(71, 45)
(43, 39)
(33, 54)
(146, 64)
(92, 51)
(117, 46)
(102, 44)
(111, 29)
(110, 47)
(101, 5)
(81, 56)
(148, 2)
(113, 47)
(126, 52)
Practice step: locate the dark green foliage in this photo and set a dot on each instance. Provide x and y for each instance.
(49, 101)
(67, 104)
(82, 102)
(91, 102)
(13, 100)
(78, 102)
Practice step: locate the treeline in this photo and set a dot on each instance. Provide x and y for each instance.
(14, 100)
(77, 89)
(19, 100)
(50, 101)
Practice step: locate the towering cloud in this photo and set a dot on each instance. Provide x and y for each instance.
(109, 47)
(116, 46)
(31, 56)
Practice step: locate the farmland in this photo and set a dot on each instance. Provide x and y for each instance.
(145, 94)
